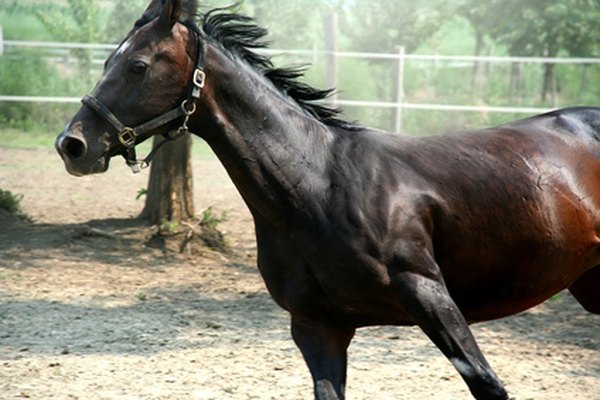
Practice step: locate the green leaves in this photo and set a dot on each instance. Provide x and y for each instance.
(537, 27)
(384, 24)
(12, 204)
(76, 21)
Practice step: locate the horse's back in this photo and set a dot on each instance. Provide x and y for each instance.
(517, 217)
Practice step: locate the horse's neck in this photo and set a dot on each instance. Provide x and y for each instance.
(274, 153)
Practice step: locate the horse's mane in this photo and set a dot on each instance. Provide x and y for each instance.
(241, 36)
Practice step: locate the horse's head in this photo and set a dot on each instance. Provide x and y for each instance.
(149, 85)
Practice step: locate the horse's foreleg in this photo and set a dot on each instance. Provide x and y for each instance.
(586, 290)
(324, 348)
(425, 297)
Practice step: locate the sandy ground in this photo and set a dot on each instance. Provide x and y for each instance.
(104, 317)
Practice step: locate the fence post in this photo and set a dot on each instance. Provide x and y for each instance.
(331, 46)
(1, 42)
(399, 89)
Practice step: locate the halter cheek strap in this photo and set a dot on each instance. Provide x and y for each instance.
(128, 136)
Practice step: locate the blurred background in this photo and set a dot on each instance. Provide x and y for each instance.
(413, 66)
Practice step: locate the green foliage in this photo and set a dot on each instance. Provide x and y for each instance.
(37, 73)
(380, 26)
(22, 25)
(210, 233)
(11, 203)
(141, 193)
(29, 75)
(141, 296)
(76, 21)
(16, 77)
(542, 28)
(211, 220)
(291, 24)
(535, 27)
(499, 27)
(170, 227)
(122, 18)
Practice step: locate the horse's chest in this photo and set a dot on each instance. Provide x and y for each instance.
(321, 278)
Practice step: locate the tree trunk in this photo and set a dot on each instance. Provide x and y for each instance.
(170, 186)
(515, 82)
(477, 73)
(550, 73)
(583, 82)
(549, 84)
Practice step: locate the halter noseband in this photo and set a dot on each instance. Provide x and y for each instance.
(128, 136)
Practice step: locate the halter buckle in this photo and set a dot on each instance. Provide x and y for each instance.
(127, 137)
(199, 78)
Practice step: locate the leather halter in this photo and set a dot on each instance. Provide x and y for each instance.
(128, 136)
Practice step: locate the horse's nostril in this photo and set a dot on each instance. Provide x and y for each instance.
(73, 147)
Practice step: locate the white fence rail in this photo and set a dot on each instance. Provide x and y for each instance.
(341, 54)
(344, 103)
(400, 58)
(39, 99)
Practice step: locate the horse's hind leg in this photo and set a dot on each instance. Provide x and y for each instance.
(586, 290)
(324, 348)
(425, 297)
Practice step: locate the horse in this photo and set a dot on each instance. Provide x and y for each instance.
(357, 227)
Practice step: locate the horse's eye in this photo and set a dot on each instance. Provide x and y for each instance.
(138, 66)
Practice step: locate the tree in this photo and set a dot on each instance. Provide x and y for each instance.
(545, 28)
(77, 21)
(170, 186)
(291, 24)
(382, 25)
(121, 19)
(480, 19)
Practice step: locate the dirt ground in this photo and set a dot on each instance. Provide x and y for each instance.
(93, 316)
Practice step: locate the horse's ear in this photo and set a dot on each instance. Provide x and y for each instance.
(152, 11)
(171, 12)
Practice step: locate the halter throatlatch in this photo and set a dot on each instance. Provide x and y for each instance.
(128, 136)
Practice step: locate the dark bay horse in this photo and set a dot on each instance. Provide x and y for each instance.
(357, 227)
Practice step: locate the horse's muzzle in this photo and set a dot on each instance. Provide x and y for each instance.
(76, 155)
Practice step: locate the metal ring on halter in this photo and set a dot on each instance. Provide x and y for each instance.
(184, 106)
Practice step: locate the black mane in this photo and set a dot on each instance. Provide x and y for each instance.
(242, 36)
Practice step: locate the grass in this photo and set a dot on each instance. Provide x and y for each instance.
(18, 139)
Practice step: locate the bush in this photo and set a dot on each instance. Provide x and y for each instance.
(28, 75)
(12, 204)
